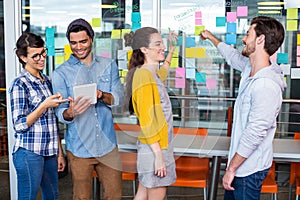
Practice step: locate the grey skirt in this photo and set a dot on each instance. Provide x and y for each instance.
(145, 167)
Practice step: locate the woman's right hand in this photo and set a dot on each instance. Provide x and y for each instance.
(54, 101)
(160, 166)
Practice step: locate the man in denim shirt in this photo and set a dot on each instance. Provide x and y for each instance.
(90, 138)
(256, 108)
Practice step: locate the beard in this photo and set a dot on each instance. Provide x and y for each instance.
(248, 50)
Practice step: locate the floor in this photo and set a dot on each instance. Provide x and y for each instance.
(174, 193)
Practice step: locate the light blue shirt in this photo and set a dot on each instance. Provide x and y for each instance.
(255, 111)
(92, 133)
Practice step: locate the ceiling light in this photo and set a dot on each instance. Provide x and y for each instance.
(269, 12)
(32, 7)
(108, 6)
(270, 3)
(56, 12)
(270, 7)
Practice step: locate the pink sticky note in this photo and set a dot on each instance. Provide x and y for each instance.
(106, 55)
(198, 14)
(198, 22)
(274, 57)
(231, 17)
(298, 61)
(298, 50)
(211, 83)
(180, 72)
(179, 82)
(242, 11)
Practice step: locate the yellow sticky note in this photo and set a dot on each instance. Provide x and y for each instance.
(59, 60)
(122, 79)
(175, 52)
(96, 22)
(291, 25)
(174, 63)
(124, 31)
(116, 34)
(200, 53)
(124, 73)
(129, 54)
(292, 13)
(199, 29)
(120, 73)
(190, 52)
(298, 39)
(67, 51)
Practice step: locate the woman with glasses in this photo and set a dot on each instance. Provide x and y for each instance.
(37, 153)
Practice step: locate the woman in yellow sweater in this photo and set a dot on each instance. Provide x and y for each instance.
(152, 106)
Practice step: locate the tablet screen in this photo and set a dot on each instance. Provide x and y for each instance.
(86, 90)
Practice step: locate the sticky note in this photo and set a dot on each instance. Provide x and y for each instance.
(231, 17)
(175, 52)
(124, 31)
(51, 51)
(59, 60)
(180, 72)
(242, 11)
(292, 13)
(96, 22)
(179, 41)
(199, 29)
(190, 73)
(230, 38)
(67, 51)
(135, 26)
(231, 27)
(135, 17)
(105, 54)
(200, 77)
(198, 22)
(122, 64)
(200, 53)
(124, 73)
(50, 32)
(174, 63)
(129, 54)
(286, 68)
(190, 42)
(198, 14)
(190, 62)
(122, 55)
(211, 83)
(295, 73)
(292, 25)
(282, 58)
(298, 39)
(49, 41)
(220, 21)
(190, 52)
(179, 82)
(298, 61)
(116, 34)
(298, 50)
(242, 25)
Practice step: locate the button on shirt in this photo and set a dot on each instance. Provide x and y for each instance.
(26, 94)
(92, 133)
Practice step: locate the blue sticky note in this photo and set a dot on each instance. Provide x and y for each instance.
(220, 21)
(200, 77)
(231, 27)
(49, 41)
(230, 38)
(135, 17)
(190, 42)
(135, 26)
(282, 58)
(51, 51)
(49, 32)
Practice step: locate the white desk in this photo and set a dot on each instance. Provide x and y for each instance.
(214, 147)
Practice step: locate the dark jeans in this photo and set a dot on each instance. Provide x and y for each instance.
(246, 188)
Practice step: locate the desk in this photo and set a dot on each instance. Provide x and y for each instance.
(214, 147)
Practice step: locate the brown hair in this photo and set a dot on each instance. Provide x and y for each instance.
(272, 30)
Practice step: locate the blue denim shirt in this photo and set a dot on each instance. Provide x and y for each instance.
(92, 133)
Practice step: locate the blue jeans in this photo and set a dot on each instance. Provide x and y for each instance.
(35, 171)
(246, 188)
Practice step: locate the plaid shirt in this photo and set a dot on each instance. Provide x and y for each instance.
(26, 94)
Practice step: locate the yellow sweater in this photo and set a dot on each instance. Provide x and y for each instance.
(147, 107)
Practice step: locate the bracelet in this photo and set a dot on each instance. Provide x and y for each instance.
(168, 62)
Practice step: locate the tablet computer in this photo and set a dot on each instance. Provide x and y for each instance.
(86, 91)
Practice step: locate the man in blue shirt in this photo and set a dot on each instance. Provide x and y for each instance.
(90, 138)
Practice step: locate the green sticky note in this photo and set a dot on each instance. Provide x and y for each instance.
(220, 21)
(199, 29)
(96, 22)
(292, 13)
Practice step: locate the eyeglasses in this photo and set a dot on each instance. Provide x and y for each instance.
(37, 56)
